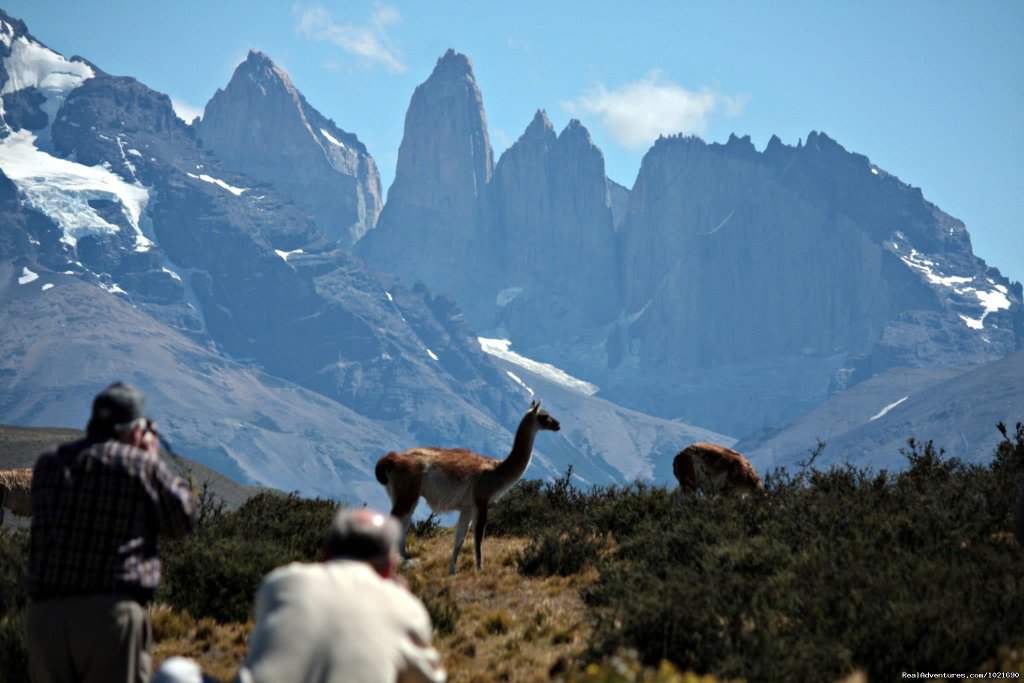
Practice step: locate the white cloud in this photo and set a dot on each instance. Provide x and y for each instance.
(185, 111)
(516, 43)
(369, 42)
(637, 113)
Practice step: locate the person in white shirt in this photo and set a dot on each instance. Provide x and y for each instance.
(345, 618)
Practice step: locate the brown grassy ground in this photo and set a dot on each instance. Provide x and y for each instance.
(507, 627)
(494, 625)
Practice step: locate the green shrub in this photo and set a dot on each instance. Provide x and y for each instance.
(428, 527)
(13, 567)
(13, 599)
(531, 506)
(13, 647)
(835, 570)
(559, 553)
(215, 571)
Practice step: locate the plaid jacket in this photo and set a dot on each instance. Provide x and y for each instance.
(97, 508)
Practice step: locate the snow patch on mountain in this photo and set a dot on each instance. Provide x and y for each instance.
(515, 378)
(27, 276)
(285, 254)
(990, 300)
(925, 266)
(501, 348)
(237, 191)
(881, 413)
(30, 65)
(995, 300)
(61, 189)
(332, 139)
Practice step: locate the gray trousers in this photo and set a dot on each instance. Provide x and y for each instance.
(92, 639)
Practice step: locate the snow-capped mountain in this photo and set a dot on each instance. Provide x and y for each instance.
(130, 250)
(729, 287)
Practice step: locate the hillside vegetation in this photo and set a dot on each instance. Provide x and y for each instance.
(831, 573)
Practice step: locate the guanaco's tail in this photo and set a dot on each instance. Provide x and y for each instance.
(384, 467)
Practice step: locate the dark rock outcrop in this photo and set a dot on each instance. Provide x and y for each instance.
(261, 125)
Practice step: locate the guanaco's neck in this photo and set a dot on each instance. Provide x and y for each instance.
(515, 464)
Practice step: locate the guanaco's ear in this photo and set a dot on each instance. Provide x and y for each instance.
(534, 406)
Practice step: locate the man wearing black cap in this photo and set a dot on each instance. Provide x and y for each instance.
(98, 506)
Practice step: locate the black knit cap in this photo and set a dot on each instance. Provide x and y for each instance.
(118, 404)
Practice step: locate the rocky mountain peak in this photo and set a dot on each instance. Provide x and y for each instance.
(262, 126)
(257, 58)
(575, 133)
(740, 147)
(261, 70)
(453, 64)
(539, 126)
(431, 229)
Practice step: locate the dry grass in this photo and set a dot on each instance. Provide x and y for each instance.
(507, 627)
(219, 648)
(500, 626)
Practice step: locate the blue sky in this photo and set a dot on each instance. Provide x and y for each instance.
(930, 91)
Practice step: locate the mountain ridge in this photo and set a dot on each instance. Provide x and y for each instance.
(697, 297)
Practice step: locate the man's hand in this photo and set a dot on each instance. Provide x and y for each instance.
(145, 437)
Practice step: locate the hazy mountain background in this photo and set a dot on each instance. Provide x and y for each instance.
(289, 326)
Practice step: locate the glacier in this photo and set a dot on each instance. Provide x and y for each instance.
(501, 348)
(61, 189)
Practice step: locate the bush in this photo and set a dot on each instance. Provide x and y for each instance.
(13, 568)
(559, 553)
(215, 571)
(833, 571)
(532, 506)
(13, 647)
(625, 667)
(428, 527)
(837, 570)
(13, 599)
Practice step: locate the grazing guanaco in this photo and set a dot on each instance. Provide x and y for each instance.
(714, 469)
(15, 486)
(457, 479)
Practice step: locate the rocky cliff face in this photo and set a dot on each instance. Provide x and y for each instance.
(261, 125)
(736, 259)
(732, 287)
(552, 219)
(432, 226)
(532, 249)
